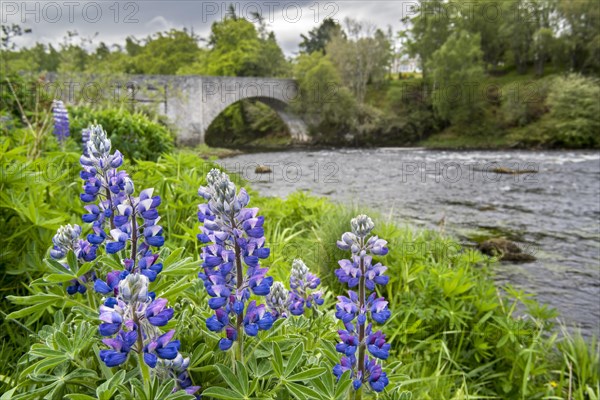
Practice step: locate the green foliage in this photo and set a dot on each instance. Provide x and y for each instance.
(165, 53)
(236, 48)
(319, 37)
(243, 123)
(574, 109)
(325, 103)
(135, 135)
(456, 71)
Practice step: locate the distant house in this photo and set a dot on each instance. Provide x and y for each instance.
(405, 64)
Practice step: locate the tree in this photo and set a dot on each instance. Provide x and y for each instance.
(324, 101)
(361, 58)
(429, 29)
(456, 70)
(236, 49)
(164, 53)
(582, 36)
(319, 37)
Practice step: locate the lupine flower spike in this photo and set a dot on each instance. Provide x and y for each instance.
(358, 339)
(61, 121)
(303, 285)
(131, 315)
(231, 261)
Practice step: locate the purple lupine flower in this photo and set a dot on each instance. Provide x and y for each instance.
(231, 269)
(85, 136)
(177, 368)
(362, 307)
(120, 348)
(257, 318)
(303, 285)
(67, 239)
(278, 300)
(61, 121)
(134, 312)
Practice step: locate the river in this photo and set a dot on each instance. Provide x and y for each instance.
(553, 213)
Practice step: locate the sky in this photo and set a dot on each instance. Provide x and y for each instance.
(113, 21)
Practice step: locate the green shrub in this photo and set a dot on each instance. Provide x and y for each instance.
(575, 107)
(136, 135)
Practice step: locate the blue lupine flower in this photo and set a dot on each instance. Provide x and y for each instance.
(303, 285)
(349, 341)
(377, 379)
(177, 368)
(376, 344)
(360, 271)
(233, 232)
(257, 318)
(67, 239)
(121, 346)
(157, 314)
(61, 121)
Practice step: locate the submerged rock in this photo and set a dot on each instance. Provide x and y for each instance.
(263, 169)
(505, 250)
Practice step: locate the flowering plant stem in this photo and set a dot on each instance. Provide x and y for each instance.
(240, 317)
(361, 327)
(144, 371)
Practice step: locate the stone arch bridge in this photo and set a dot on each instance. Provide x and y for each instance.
(192, 103)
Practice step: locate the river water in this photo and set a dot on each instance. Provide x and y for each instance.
(552, 213)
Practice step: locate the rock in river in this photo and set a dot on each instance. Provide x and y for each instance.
(505, 250)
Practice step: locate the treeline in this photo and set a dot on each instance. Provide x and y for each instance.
(487, 70)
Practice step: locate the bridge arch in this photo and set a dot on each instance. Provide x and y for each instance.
(193, 102)
(218, 93)
(296, 126)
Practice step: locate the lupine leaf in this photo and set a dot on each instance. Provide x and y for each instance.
(59, 278)
(294, 359)
(221, 393)
(242, 375)
(230, 378)
(108, 388)
(307, 374)
(303, 392)
(85, 268)
(343, 386)
(79, 397)
(277, 360)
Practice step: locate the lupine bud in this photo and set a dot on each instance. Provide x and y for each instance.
(128, 186)
(362, 225)
(303, 285)
(277, 300)
(299, 271)
(134, 288)
(66, 237)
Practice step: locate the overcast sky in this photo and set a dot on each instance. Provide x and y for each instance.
(114, 21)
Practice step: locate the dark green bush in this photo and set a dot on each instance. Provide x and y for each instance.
(136, 135)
